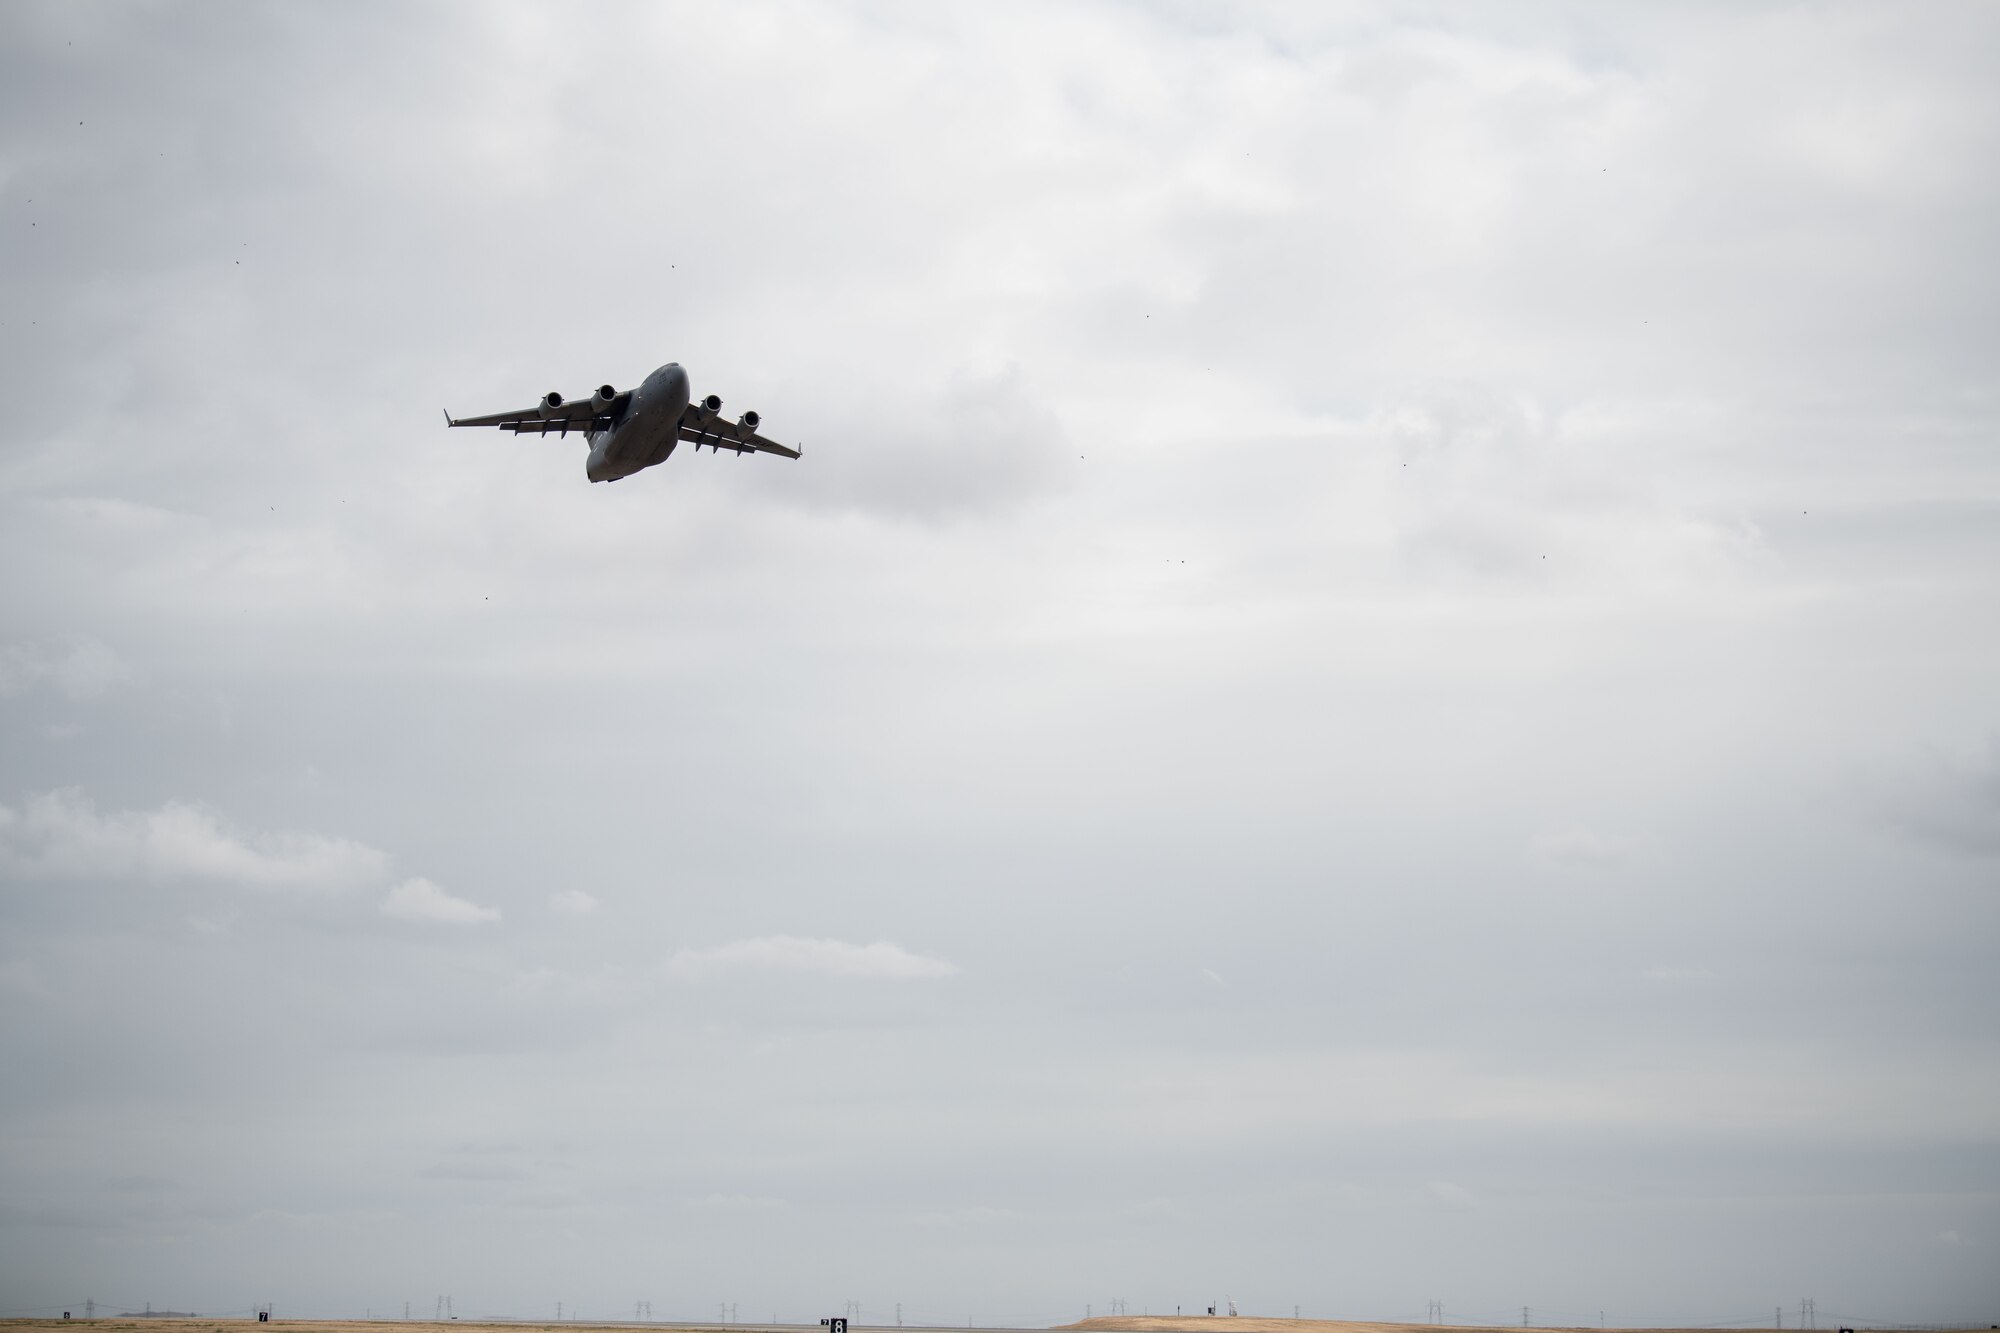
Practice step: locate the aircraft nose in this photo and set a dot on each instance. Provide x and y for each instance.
(671, 376)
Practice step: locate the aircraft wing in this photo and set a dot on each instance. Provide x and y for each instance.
(703, 428)
(578, 414)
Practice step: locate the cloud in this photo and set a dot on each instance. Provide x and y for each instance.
(1683, 974)
(81, 668)
(976, 1215)
(573, 902)
(1953, 803)
(60, 834)
(471, 1172)
(981, 442)
(418, 899)
(19, 975)
(789, 953)
(1580, 848)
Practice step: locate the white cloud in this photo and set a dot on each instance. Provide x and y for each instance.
(789, 953)
(60, 834)
(418, 899)
(80, 668)
(574, 902)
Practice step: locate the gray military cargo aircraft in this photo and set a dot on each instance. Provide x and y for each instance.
(637, 428)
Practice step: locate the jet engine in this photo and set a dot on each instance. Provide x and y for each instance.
(551, 403)
(713, 402)
(601, 401)
(750, 420)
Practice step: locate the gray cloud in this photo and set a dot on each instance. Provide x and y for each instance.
(983, 443)
(1953, 802)
(81, 668)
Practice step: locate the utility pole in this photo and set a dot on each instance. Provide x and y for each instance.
(1524, 1316)
(899, 1315)
(558, 1312)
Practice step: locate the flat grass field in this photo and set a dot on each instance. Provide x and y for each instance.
(1112, 1324)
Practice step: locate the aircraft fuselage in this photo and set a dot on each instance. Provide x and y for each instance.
(648, 431)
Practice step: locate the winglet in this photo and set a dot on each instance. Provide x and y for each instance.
(447, 418)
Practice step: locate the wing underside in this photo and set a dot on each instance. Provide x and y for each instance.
(705, 429)
(582, 414)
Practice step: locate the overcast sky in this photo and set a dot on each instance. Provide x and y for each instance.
(1380, 682)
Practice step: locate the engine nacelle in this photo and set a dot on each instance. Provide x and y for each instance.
(551, 403)
(713, 402)
(750, 420)
(600, 402)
